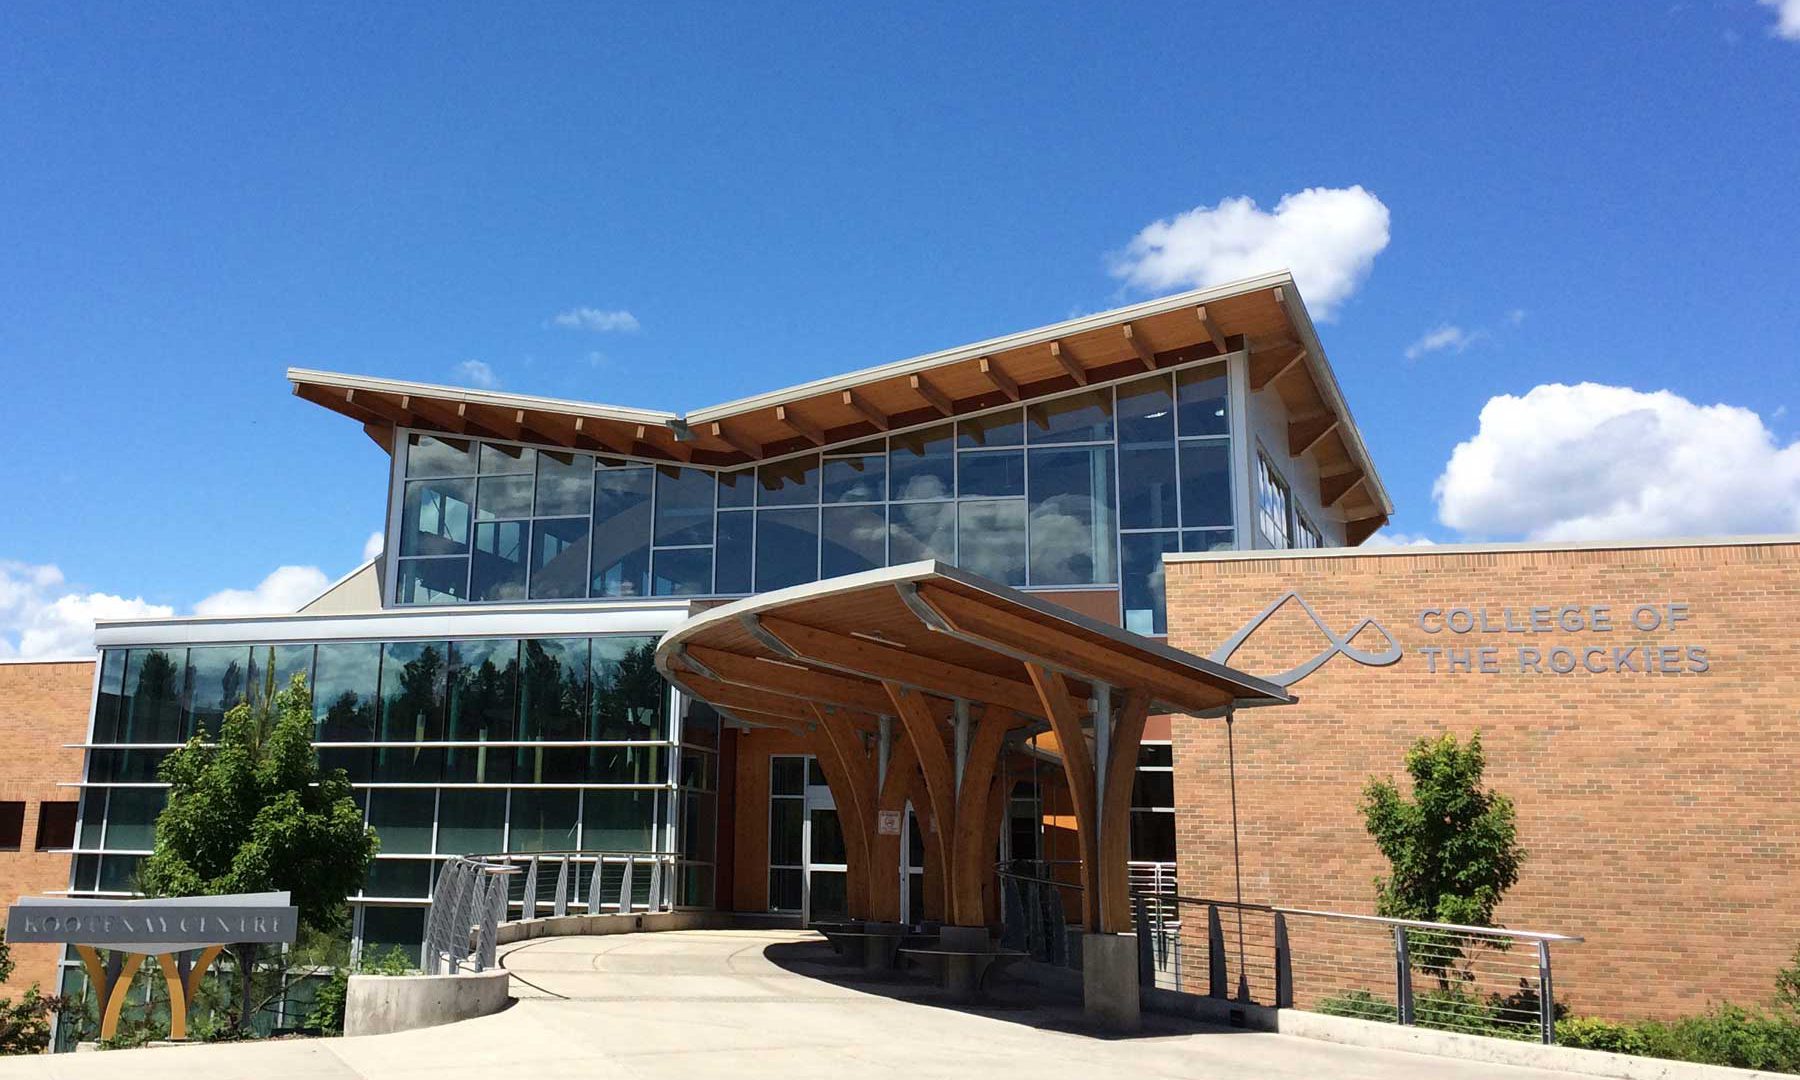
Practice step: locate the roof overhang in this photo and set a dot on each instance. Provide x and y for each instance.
(781, 658)
(1262, 317)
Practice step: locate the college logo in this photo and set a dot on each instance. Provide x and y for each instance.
(1383, 658)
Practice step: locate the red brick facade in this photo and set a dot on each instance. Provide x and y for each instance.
(1660, 808)
(42, 707)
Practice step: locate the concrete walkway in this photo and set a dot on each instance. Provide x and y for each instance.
(751, 1004)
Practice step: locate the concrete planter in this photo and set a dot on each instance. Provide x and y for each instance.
(378, 1004)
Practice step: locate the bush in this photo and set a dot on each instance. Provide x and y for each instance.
(327, 1013)
(1359, 1004)
(1591, 1033)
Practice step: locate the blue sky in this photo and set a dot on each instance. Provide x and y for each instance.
(194, 198)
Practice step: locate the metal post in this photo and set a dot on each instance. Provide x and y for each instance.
(1284, 965)
(625, 885)
(529, 911)
(1146, 957)
(561, 905)
(1546, 996)
(1215, 953)
(961, 707)
(884, 748)
(1403, 993)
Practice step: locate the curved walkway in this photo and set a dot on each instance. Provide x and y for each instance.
(751, 1004)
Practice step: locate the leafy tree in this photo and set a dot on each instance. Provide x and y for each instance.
(1453, 847)
(255, 813)
(25, 1023)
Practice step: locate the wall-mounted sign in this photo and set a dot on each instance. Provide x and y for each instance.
(888, 823)
(1477, 639)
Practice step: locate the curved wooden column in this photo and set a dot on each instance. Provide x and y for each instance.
(924, 731)
(884, 851)
(1078, 769)
(851, 777)
(1115, 812)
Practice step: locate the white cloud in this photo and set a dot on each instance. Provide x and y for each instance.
(1608, 462)
(1787, 18)
(35, 621)
(1454, 338)
(373, 545)
(1328, 237)
(1387, 538)
(1516, 316)
(477, 373)
(285, 589)
(597, 319)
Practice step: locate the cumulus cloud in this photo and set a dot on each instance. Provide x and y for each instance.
(1591, 462)
(38, 620)
(1328, 237)
(373, 545)
(597, 319)
(1453, 338)
(285, 589)
(1787, 18)
(477, 373)
(1388, 538)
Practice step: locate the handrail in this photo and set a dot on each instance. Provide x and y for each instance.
(1414, 924)
(1037, 880)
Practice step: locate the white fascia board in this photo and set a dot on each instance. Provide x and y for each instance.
(481, 397)
(412, 624)
(1326, 380)
(1042, 334)
(1651, 544)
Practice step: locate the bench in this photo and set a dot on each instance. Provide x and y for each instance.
(963, 971)
(878, 946)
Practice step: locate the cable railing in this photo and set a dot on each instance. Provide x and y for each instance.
(1469, 979)
(477, 894)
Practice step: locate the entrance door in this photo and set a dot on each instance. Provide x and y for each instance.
(807, 869)
(827, 874)
(912, 872)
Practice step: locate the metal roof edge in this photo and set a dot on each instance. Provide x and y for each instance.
(1327, 381)
(1484, 548)
(622, 413)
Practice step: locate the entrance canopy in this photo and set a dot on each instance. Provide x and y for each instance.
(962, 663)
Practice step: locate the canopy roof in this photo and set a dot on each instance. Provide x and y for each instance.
(1263, 317)
(835, 645)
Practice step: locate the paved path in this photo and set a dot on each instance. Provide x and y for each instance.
(750, 1004)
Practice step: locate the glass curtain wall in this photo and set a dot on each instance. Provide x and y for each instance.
(1083, 489)
(453, 747)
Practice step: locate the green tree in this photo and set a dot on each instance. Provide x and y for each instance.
(253, 812)
(1452, 847)
(25, 1023)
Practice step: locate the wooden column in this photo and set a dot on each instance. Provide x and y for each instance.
(1078, 770)
(901, 784)
(925, 732)
(851, 777)
(1127, 734)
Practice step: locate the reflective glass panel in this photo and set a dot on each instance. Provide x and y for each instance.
(787, 776)
(153, 684)
(682, 571)
(1146, 411)
(856, 479)
(413, 677)
(1153, 836)
(484, 687)
(787, 819)
(273, 667)
(131, 818)
(921, 531)
(1206, 483)
(565, 483)
(737, 488)
(1148, 495)
(109, 706)
(93, 816)
(1004, 428)
(684, 506)
(1072, 530)
(1208, 540)
(787, 548)
(471, 822)
(543, 820)
(1141, 579)
(500, 458)
(618, 821)
(434, 519)
(402, 818)
(434, 581)
(1202, 401)
(621, 555)
(922, 464)
(344, 693)
(735, 545)
(1085, 417)
(553, 688)
(853, 538)
(503, 497)
(991, 539)
(387, 928)
(398, 878)
(629, 694)
(498, 569)
(559, 558)
(636, 764)
(429, 455)
(990, 473)
(216, 682)
(794, 482)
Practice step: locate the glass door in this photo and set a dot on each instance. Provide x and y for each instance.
(807, 863)
(827, 874)
(912, 872)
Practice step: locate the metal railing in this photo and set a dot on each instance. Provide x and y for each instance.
(477, 894)
(1032, 915)
(1472, 979)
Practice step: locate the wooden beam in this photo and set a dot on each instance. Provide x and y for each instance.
(971, 853)
(1145, 354)
(1333, 490)
(1360, 529)
(1060, 354)
(376, 404)
(865, 410)
(381, 434)
(587, 440)
(799, 425)
(793, 680)
(1331, 472)
(1304, 436)
(1212, 329)
(990, 370)
(934, 397)
(927, 737)
(495, 420)
(1271, 372)
(735, 441)
(726, 696)
(888, 663)
(1078, 770)
(1019, 636)
(851, 777)
(442, 417)
(1115, 812)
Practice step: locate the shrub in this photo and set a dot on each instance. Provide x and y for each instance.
(327, 1013)
(1591, 1033)
(1359, 1004)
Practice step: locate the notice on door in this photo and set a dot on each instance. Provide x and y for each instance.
(889, 823)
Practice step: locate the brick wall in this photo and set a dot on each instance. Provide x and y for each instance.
(42, 706)
(1660, 810)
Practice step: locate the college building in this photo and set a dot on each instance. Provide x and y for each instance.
(841, 650)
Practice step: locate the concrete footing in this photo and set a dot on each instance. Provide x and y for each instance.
(1109, 981)
(378, 1004)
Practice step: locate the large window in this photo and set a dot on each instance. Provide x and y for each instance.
(1085, 489)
